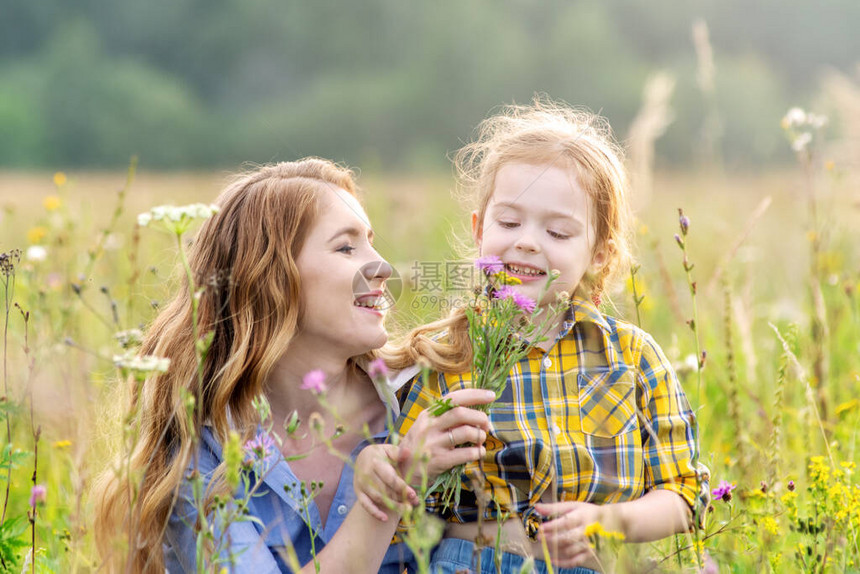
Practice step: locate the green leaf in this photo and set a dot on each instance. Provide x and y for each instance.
(441, 406)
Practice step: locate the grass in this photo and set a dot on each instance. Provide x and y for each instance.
(778, 316)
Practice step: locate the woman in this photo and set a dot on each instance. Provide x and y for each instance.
(279, 262)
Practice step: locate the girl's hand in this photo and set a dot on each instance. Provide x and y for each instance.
(378, 486)
(436, 441)
(565, 533)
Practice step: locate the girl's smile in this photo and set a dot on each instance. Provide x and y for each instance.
(539, 219)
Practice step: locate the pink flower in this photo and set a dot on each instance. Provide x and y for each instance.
(38, 495)
(377, 369)
(723, 491)
(314, 382)
(525, 303)
(709, 566)
(490, 264)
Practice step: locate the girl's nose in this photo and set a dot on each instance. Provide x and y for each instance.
(526, 243)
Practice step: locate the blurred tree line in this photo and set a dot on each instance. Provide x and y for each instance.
(388, 83)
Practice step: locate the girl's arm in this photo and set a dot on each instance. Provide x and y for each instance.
(656, 515)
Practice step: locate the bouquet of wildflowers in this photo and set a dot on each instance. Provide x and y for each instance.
(503, 323)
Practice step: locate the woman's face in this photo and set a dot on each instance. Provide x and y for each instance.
(342, 279)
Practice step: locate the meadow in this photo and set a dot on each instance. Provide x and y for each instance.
(755, 302)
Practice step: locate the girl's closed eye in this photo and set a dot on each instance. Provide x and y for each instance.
(347, 249)
(557, 234)
(507, 224)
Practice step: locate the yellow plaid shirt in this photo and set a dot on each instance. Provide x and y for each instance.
(600, 417)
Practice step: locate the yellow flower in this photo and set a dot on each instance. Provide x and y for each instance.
(775, 560)
(643, 229)
(699, 547)
(811, 236)
(59, 179)
(847, 406)
(771, 526)
(789, 499)
(62, 444)
(52, 203)
(819, 471)
(596, 529)
(829, 165)
(36, 234)
(505, 279)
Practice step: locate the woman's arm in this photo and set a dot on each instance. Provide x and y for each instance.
(431, 446)
(361, 542)
(359, 545)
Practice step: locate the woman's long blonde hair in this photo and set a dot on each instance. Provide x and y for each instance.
(543, 133)
(245, 258)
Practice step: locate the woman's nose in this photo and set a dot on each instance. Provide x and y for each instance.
(379, 269)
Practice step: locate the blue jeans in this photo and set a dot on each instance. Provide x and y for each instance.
(456, 555)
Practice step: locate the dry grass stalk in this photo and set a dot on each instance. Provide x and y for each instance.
(712, 128)
(732, 394)
(759, 211)
(743, 319)
(648, 126)
(842, 94)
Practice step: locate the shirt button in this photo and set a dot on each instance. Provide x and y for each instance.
(556, 429)
(342, 509)
(547, 362)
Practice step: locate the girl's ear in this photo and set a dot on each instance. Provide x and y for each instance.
(477, 231)
(602, 253)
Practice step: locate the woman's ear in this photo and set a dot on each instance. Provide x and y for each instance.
(477, 231)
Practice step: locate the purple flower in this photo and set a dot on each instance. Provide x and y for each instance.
(260, 448)
(723, 491)
(37, 495)
(490, 264)
(377, 369)
(314, 382)
(525, 303)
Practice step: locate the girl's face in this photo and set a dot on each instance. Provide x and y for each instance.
(342, 279)
(539, 219)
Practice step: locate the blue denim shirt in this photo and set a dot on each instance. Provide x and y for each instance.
(259, 547)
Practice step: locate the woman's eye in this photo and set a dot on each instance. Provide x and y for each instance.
(348, 249)
(557, 235)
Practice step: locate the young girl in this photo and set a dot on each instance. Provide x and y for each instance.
(593, 425)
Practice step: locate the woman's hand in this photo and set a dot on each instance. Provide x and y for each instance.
(437, 442)
(565, 532)
(378, 485)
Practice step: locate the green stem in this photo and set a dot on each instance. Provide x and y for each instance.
(9, 288)
(195, 328)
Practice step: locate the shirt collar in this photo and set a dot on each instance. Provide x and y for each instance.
(583, 311)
